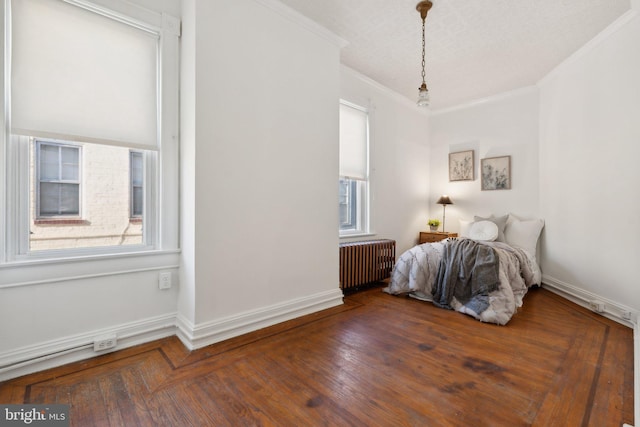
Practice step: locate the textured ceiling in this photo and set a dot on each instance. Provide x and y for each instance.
(475, 48)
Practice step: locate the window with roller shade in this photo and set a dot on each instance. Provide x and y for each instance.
(86, 108)
(353, 182)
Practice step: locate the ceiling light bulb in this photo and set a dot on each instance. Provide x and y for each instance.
(423, 96)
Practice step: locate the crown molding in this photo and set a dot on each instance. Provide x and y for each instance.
(384, 89)
(297, 18)
(489, 99)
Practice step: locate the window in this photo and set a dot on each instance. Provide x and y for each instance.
(136, 178)
(354, 170)
(348, 201)
(92, 142)
(58, 173)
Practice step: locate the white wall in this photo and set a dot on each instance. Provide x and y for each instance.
(44, 303)
(505, 125)
(399, 160)
(261, 220)
(589, 151)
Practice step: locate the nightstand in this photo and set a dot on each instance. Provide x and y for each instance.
(434, 236)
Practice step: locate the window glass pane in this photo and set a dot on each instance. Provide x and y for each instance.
(69, 167)
(69, 199)
(136, 169)
(137, 179)
(49, 198)
(348, 204)
(137, 201)
(49, 162)
(59, 199)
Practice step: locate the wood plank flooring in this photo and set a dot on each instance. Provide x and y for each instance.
(379, 360)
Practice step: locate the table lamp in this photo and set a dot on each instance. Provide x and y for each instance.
(444, 200)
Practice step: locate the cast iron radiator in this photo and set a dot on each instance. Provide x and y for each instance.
(365, 262)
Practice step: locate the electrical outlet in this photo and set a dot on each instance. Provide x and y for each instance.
(164, 280)
(105, 342)
(597, 306)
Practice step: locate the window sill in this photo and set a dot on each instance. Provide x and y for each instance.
(61, 221)
(54, 256)
(30, 272)
(135, 220)
(356, 235)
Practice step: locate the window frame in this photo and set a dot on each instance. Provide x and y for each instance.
(161, 168)
(362, 187)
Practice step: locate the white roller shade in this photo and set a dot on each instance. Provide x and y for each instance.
(79, 75)
(353, 142)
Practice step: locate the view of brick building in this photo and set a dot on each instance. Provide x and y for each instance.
(84, 195)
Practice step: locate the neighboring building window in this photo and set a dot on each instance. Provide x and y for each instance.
(354, 170)
(58, 176)
(137, 179)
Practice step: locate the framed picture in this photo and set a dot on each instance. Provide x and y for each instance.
(496, 173)
(461, 166)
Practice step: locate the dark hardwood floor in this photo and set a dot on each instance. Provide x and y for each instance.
(378, 360)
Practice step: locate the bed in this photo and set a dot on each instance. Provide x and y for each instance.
(485, 273)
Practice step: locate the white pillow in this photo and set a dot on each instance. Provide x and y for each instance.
(484, 230)
(465, 226)
(524, 234)
(500, 221)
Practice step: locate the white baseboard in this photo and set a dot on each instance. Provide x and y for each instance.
(50, 354)
(613, 311)
(204, 334)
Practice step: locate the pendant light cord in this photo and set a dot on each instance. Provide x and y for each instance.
(423, 48)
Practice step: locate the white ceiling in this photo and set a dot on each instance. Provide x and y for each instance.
(475, 48)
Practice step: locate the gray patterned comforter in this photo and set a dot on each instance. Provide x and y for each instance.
(416, 273)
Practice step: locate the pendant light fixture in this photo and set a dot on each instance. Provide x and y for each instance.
(423, 93)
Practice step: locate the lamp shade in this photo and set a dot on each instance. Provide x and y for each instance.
(444, 200)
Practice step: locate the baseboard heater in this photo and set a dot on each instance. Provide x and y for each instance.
(365, 262)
